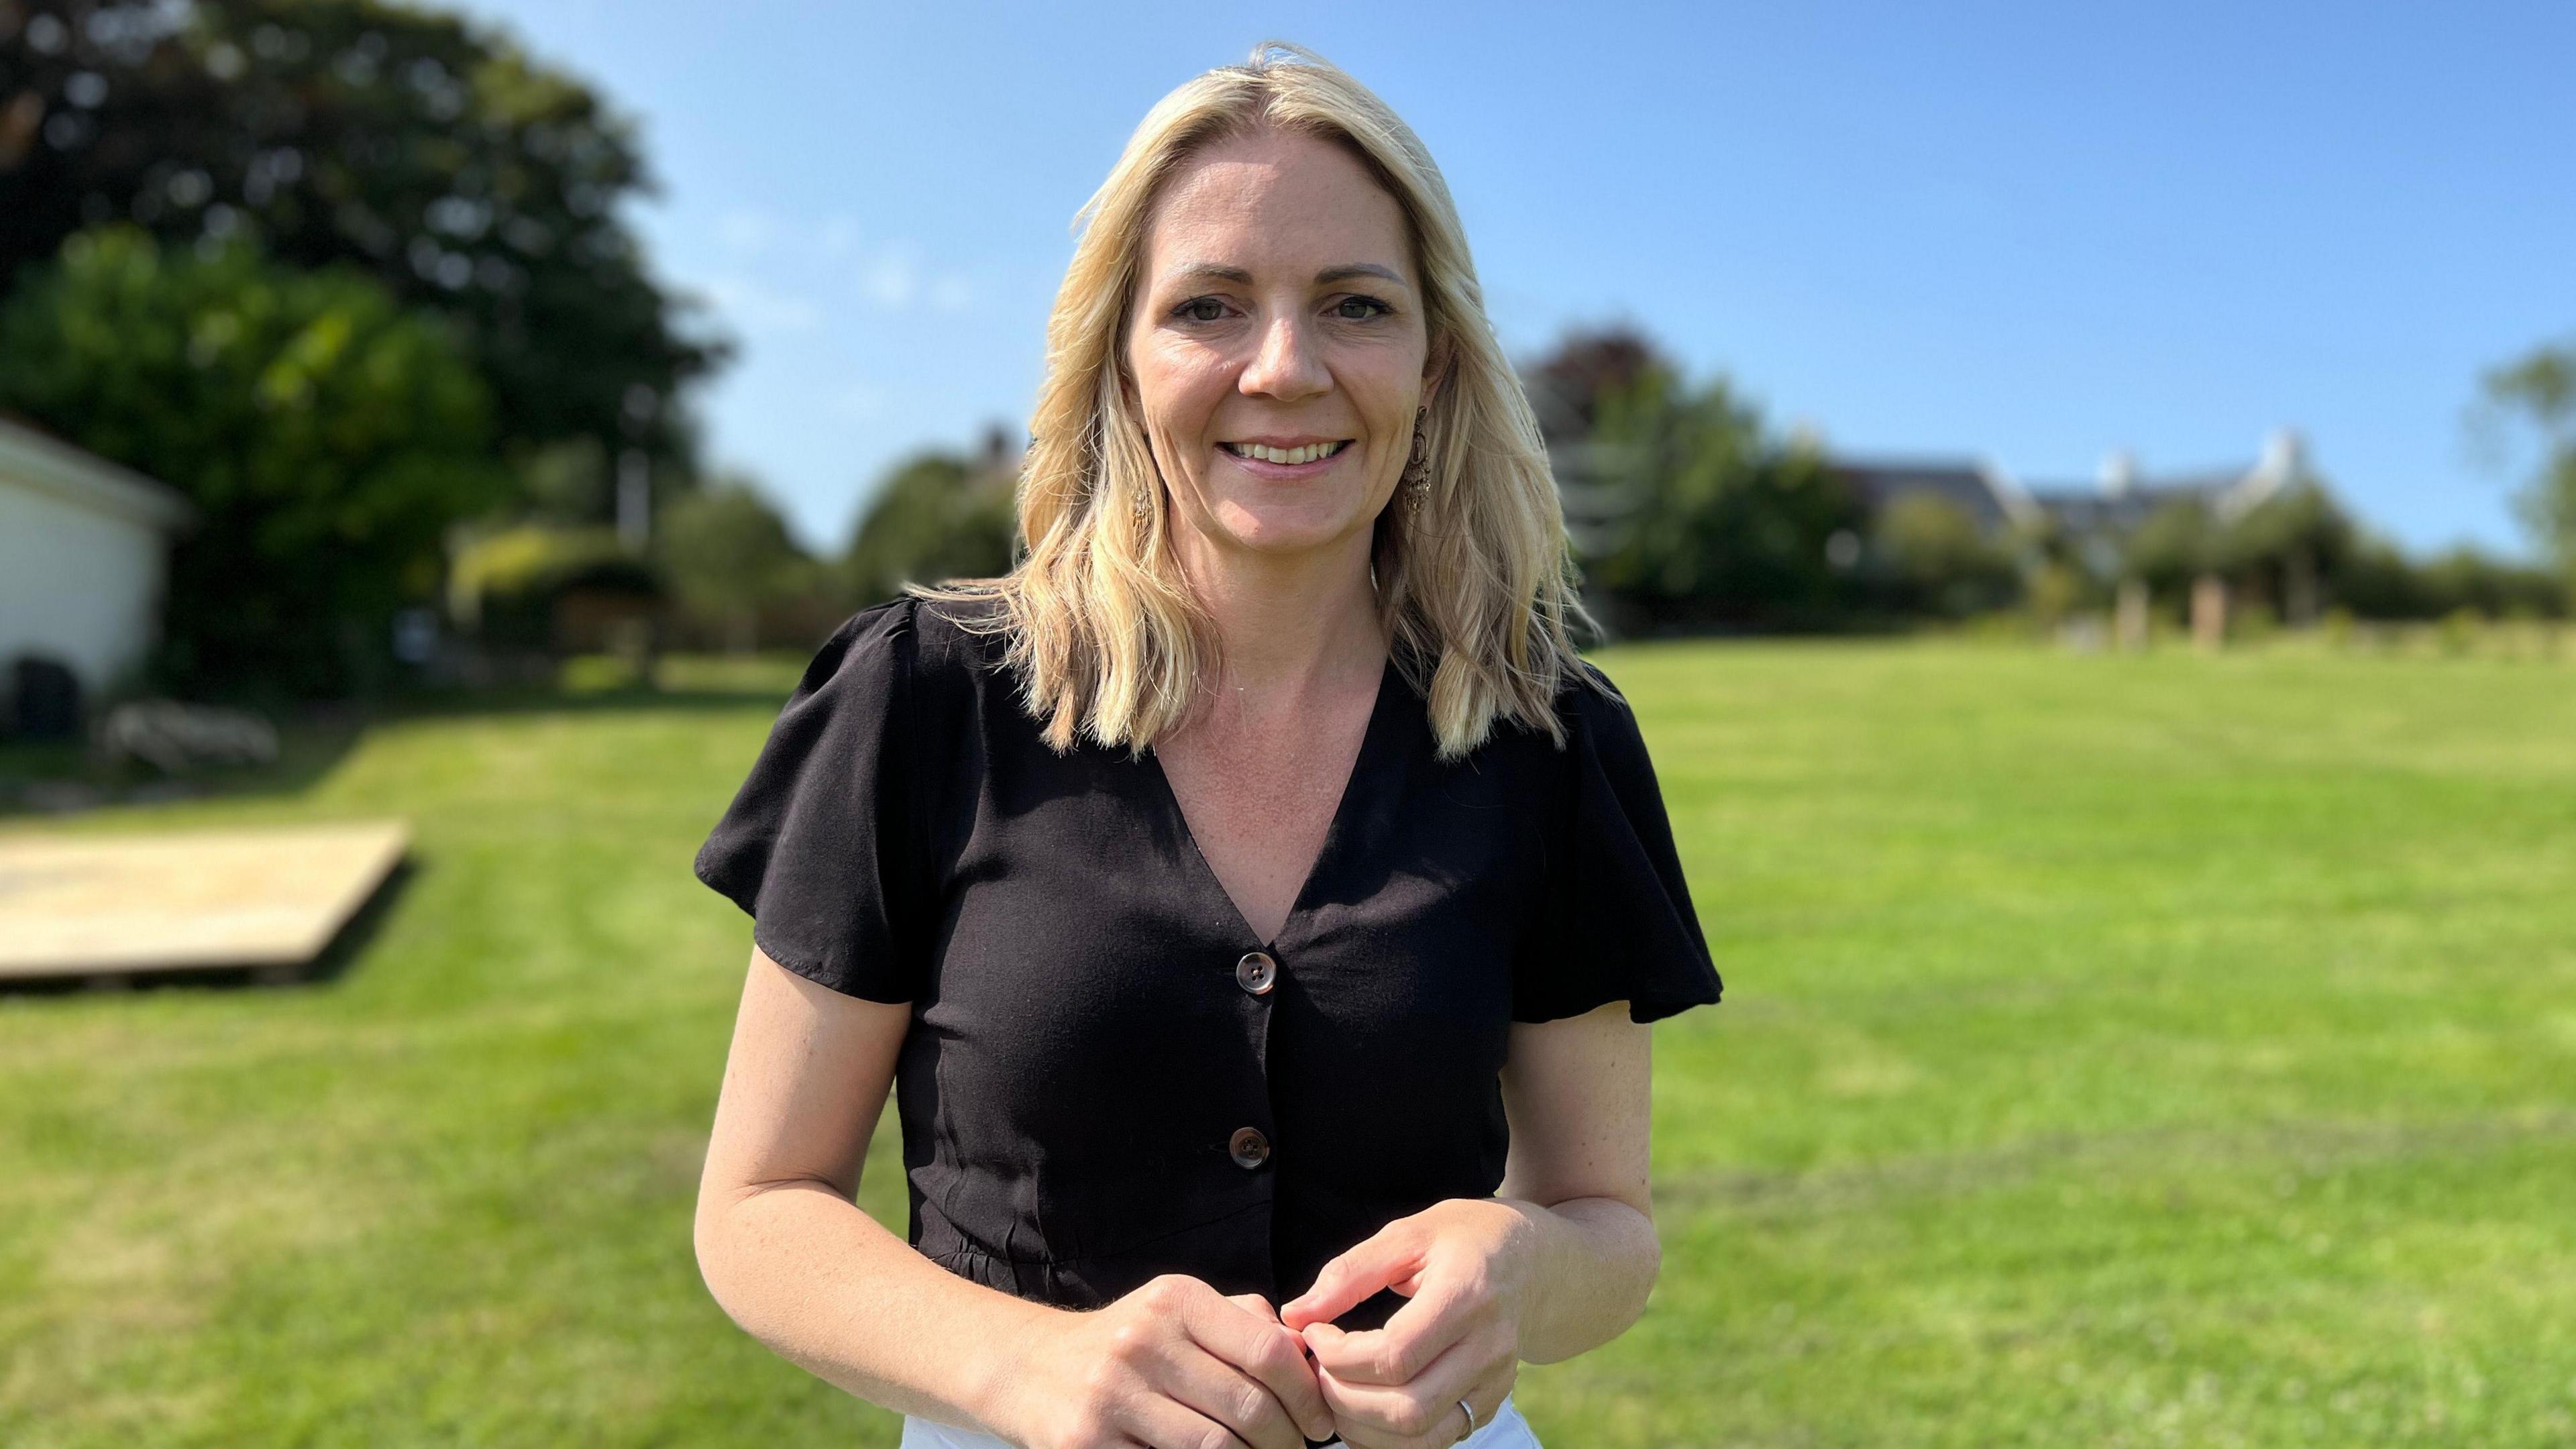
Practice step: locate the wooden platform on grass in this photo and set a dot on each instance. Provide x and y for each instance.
(108, 905)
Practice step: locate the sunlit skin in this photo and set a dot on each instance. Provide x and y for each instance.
(1276, 301)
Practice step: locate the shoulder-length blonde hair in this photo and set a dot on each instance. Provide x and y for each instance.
(1476, 591)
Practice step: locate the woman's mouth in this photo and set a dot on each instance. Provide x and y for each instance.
(1267, 459)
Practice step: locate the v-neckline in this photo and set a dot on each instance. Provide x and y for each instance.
(1388, 682)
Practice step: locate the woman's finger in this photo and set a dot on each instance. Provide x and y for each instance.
(1388, 1260)
(1371, 1415)
(1255, 1303)
(1236, 1402)
(1489, 1392)
(1167, 1423)
(1258, 1350)
(1414, 1335)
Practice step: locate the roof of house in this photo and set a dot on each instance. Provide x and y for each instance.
(1983, 491)
(2122, 498)
(35, 460)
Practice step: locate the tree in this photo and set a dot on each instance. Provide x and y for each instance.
(1715, 522)
(2172, 546)
(2290, 547)
(2464, 578)
(937, 516)
(328, 437)
(1937, 560)
(415, 146)
(728, 553)
(2058, 570)
(2539, 391)
(1587, 366)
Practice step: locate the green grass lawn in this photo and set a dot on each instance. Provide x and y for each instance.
(2162, 1050)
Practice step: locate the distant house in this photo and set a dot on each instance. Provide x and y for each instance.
(84, 546)
(2119, 499)
(1981, 490)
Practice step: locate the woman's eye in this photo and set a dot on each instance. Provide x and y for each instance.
(1203, 309)
(1367, 307)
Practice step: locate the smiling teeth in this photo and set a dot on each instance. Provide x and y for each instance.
(1306, 454)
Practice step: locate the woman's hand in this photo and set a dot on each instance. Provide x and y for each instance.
(1172, 1365)
(1466, 1264)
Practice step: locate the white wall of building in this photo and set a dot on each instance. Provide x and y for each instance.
(83, 549)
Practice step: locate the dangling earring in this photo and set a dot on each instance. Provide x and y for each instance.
(1144, 500)
(1417, 469)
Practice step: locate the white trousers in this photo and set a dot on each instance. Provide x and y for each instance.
(1507, 1431)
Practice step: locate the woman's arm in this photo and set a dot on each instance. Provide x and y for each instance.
(793, 1260)
(781, 1244)
(1559, 1262)
(1578, 1094)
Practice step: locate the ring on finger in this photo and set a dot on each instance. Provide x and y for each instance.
(1469, 1410)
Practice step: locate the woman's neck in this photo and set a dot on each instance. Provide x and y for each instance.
(1289, 624)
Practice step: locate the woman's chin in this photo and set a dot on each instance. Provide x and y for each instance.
(1284, 530)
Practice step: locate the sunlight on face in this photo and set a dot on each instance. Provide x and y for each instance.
(1278, 344)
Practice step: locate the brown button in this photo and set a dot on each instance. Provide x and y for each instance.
(1249, 1147)
(1256, 972)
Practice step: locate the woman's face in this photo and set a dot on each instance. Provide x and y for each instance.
(1278, 344)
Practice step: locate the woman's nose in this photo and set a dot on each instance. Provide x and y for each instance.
(1284, 363)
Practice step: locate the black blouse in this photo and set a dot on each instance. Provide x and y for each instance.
(1108, 1077)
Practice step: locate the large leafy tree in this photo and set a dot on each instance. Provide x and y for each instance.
(327, 435)
(729, 554)
(2173, 545)
(1588, 365)
(426, 151)
(1931, 558)
(937, 516)
(2293, 547)
(2297, 549)
(1717, 521)
(2539, 391)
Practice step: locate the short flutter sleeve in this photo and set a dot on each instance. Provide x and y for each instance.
(820, 845)
(1614, 921)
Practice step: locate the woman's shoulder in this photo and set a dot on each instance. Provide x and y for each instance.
(1586, 703)
(1588, 688)
(1599, 718)
(968, 634)
(1587, 713)
(914, 644)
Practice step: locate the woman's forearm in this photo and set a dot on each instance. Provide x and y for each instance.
(1593, 1261)
(828, 1288)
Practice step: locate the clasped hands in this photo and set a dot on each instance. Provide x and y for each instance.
(1175, 1365)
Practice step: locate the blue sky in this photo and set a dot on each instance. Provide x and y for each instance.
(2030, 232)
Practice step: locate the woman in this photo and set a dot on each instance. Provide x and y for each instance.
(1253, 894)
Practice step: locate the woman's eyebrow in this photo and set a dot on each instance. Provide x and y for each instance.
(1358, 269)
(1187, 270)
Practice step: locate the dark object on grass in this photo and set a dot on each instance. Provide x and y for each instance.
(46, 699)
(175, 736)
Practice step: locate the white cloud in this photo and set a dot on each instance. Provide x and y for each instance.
(895, 281)
(752, 232)
(891, 281)
(756, 306)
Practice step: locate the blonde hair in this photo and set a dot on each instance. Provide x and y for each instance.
(1476, 591)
